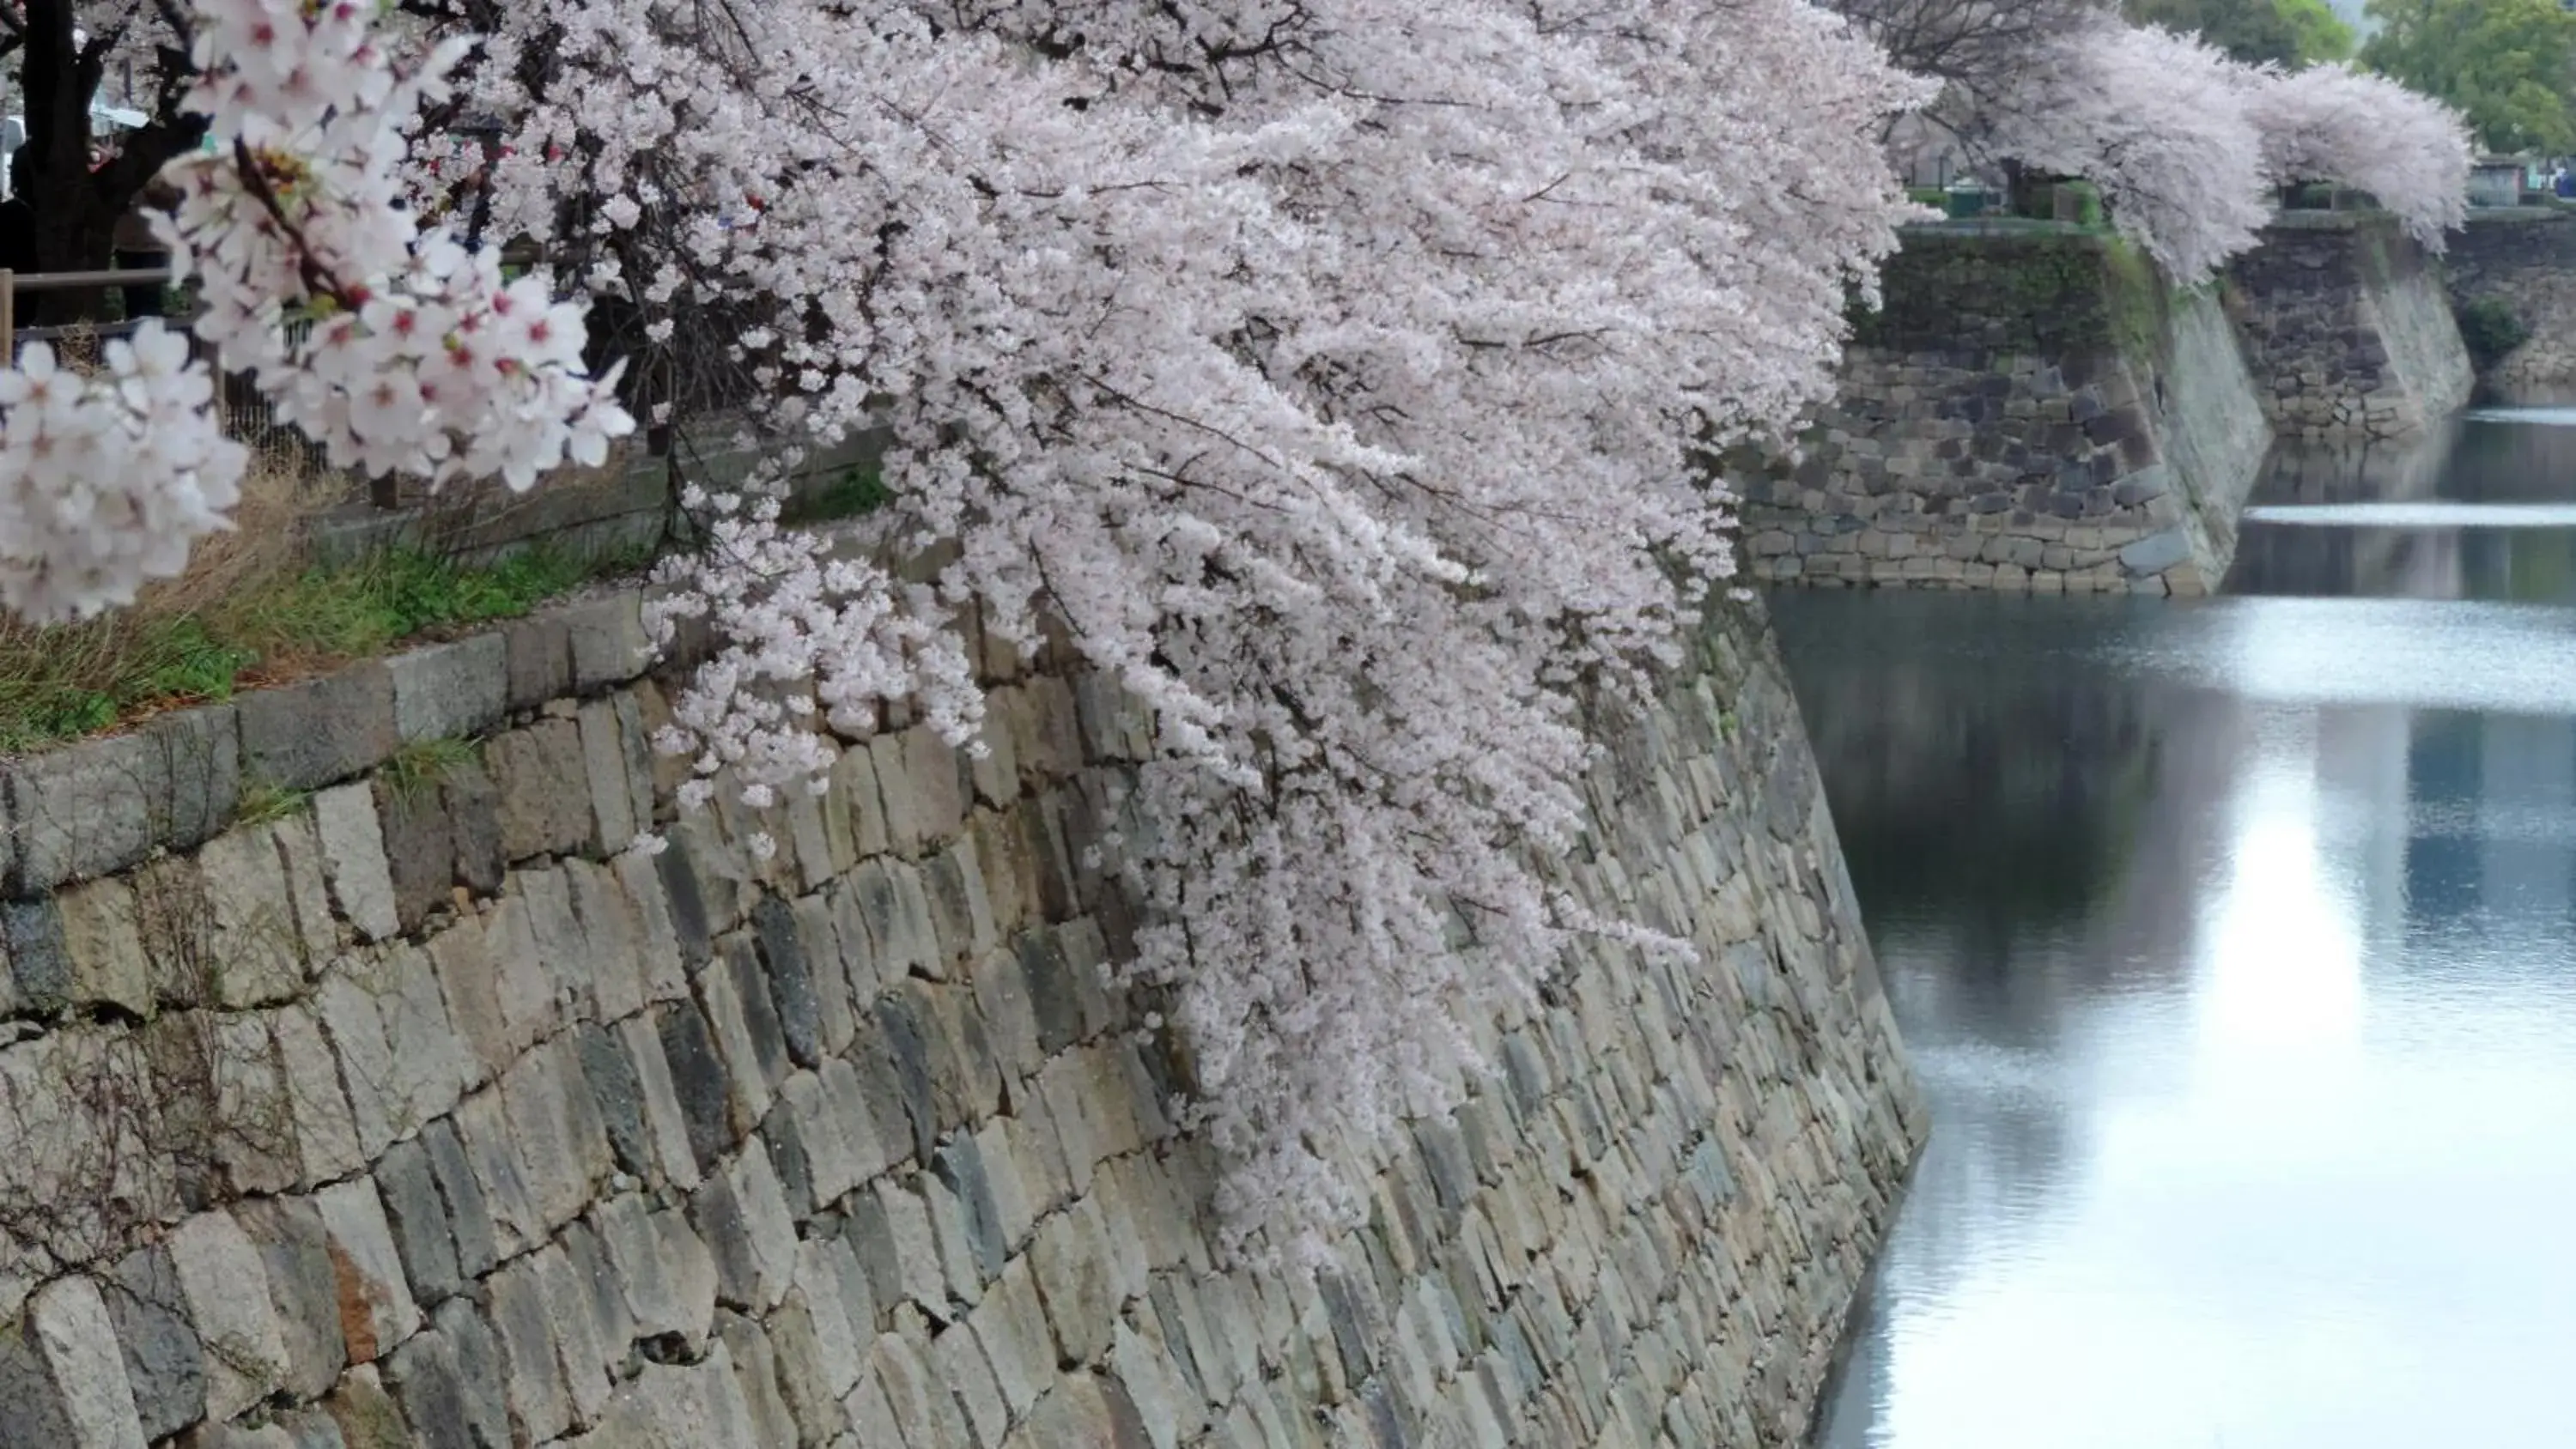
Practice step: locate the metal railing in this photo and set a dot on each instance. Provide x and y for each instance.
(247, 413)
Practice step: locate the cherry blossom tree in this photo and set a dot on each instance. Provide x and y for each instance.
(2188, 145)
(2159, 122)
(1340, 375)
(2336, 124)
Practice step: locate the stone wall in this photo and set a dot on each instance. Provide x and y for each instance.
(2034, 410)
(2524, 261)
(361, 1087)
(2347, 329)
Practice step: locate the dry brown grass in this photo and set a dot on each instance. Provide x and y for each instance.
(253, 608)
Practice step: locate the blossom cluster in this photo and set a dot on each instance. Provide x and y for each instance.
(107, 479)
(2188, 146)
(400, 351)
(415, 355)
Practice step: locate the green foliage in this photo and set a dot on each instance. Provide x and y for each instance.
(2490, 329)
(2509, 65)
(262, 802)
(856, 491)
(64, 682)
(2022, 287)
(419, 767)
(2283, 32)
(2323, 35)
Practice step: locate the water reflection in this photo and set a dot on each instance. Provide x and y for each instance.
(2233, 945)
(2479, 511)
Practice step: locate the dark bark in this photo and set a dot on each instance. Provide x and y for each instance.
(76, 209)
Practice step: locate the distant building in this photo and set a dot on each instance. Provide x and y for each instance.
(2497, 181)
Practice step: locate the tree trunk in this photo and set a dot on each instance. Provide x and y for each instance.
(76, 209)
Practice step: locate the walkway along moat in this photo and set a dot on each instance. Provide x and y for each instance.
(2235, 943)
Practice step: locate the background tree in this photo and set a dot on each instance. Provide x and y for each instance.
(64, 51)
(2286, 33)
(2508, 65)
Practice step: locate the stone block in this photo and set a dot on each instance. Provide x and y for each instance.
(607, 640)
(451, 1383)
(225, 1286)
(836, 997)
(741, 1214)
(662, 1267)
(315, 733)
(374, 1296)
(557, 941)
(303, 1289)
(416, 1217)
(855, 789)
(822, 1270)
(671, 1157)
(299, 850)
(896, 907)
(255, 1141)
(257, 952)
(540, 1402)
(69, 1324)
(470, 983)
(959, 1362)
(499, 1182)
(1077, 1280)
(959, 1166)
(452, 690)
(362, 1414)
(918, 1400)
(831, 1167)
(704, 1089)
(890, 1230)
(862, 1118)
(326, 1136)
(543, 796)
(791, 981)
(2156, 553)
(165, 1365)
(1011, 1325)
(555, 1123)
(755, 1372)
(657, 942)
(537, 661)
(582, 1321)
(603, 761)
(802, 1383)
(79, 810)
(961, 914)
(526, 987)
(700, 1405)
(102, 938)
(418, 850)
(353, 857)
(473, 807)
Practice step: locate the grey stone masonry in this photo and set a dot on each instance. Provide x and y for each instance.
(2521, 262)
(437, 1116)
(2086, 469)
(2347, 328)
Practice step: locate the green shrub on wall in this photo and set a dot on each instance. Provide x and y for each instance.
(2034, 289)
(2490, 329)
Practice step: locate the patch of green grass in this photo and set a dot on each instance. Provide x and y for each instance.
(418, 768)
(64, 682)
(262, 802)
(856, 491)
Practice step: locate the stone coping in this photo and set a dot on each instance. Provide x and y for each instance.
(105, 803)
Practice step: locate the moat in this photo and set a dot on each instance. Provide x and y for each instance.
(2235, 943)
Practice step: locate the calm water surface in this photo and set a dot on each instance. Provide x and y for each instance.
(2235, 943)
